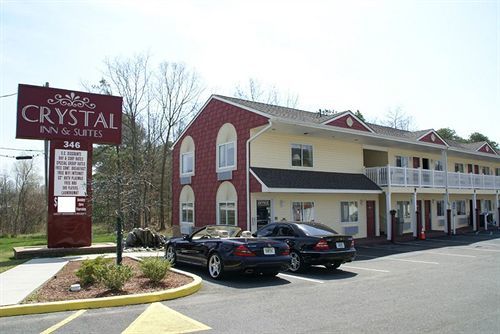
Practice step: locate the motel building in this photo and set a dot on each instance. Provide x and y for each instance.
(248, 164)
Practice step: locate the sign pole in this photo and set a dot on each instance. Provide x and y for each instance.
(119, 230)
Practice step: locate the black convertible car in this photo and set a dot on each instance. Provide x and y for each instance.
(222, 248)
(311, 243)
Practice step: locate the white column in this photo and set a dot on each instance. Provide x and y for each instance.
(497, 214)
(388, 213)
(446, 200)
(414, 214)
(474, 217)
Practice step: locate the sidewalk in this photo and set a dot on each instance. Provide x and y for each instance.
(19, 282)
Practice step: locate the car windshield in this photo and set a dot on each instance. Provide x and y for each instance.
(218, 231)
(316, 230)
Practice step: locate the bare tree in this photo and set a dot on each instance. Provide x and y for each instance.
(177, 92)
(397, 119)
(254, 91)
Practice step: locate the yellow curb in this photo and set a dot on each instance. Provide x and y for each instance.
(71, 305)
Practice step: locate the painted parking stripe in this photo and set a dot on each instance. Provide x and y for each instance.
(368, 269)
(450, 254)
(63, 322)
(396, 259)
(302, 278)
(482, 249)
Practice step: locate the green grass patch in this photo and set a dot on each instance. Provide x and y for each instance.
(7, 243)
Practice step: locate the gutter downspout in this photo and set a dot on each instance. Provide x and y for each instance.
(248, 168)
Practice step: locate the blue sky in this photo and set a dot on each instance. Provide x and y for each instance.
(437, 60)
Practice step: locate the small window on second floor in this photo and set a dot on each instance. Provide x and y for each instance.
(226, 155)
(438, 165)
(187, 163)
(401, 161)
(485, 170)
(459, 168)
(302, 155)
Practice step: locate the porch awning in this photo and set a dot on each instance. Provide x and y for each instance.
(303, 181)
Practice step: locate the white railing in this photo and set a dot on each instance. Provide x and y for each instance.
(426, 178)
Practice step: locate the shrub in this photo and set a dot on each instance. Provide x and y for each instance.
(91, 270)
(155, 268)
(115, 276)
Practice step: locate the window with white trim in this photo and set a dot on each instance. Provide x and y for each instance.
(227, 213)
(226, 153)
(187, 213)
(187, 163)
(459, 168)
(497, 171)
(302, 155)
(303, 211)
(485, 170)
(486, 206)
(460, 208)
(438, 165)
(440, 208)
(402, 161)
(404, 211)
(349, 212)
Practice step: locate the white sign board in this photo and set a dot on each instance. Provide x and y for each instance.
(70, 173)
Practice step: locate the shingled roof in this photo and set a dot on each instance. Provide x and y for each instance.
(298, 115)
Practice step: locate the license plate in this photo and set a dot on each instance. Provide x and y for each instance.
(269, 251)
(340, 245)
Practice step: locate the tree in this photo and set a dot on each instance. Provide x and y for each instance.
(479, 137)
(448, 133)
(178, 90)
(397, 119)
(359, 115)
(254, 91)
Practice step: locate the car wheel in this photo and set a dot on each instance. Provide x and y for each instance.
(215, 266)
(332, 266)
(296, 262)
(170, 255)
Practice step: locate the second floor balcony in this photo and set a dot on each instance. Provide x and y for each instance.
(427, 178)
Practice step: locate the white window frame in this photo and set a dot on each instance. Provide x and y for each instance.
(442, 206)
(188, 209)
(226, 167)
(485, 170)
(459, 167)
(235, 213)
(404, 161)
(486, 208)
(182, 163)
(438, 165)
(462, 204)
(302, 211)
(406, 215)
(302, 155)
(355, 203)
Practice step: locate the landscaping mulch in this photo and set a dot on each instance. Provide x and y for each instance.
(57, 288)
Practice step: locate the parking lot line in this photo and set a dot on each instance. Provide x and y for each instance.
(449, 254)
(302, 278)
(482, 249)
(63, 322)
(369, 269)
(413, 261)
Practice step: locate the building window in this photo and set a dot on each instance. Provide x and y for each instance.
(403, 209)
(459, 168)
(226, 155)
(187, 213)
(460, 207)
(485, 170)
(486, 206)
(402, 161)
(497, 171)
(440, 208)
(349, 212)
(302, 155)
(303, 211)
(438, 165)
(187, 163)
(227, 213)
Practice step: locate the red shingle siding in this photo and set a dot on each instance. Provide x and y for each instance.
(204, 183)
(428, 139)
(486, 149)
(342, 123)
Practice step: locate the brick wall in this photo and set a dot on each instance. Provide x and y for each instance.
(204, 183)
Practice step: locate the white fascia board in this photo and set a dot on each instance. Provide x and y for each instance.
(485, 155)
(321, 191)
(486, 144)
(255, 111)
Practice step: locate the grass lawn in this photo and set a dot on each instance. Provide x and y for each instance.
(7, 260)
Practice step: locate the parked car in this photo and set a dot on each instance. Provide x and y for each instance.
(223, 248)
(311, 244)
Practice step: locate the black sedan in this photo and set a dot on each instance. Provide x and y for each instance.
(222, 248)
(311, 244)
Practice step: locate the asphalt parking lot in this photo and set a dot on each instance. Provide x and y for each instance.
(443, 285)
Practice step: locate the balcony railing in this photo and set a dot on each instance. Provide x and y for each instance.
(426, 178)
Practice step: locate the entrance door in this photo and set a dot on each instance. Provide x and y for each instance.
(263, 213)
(370, 219)
(425, 163)
(427, 209)
(416, 162)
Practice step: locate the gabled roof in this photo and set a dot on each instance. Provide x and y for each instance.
(281, 179)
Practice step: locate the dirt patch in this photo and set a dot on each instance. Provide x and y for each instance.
(57, 288)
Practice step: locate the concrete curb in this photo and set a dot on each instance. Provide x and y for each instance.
(143, 298)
